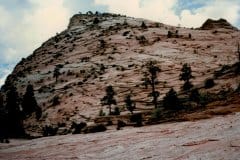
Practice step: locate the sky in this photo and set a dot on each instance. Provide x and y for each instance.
(26, 24)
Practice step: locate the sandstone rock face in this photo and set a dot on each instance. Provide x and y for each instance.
(97, 50)
(215, 24)
(211, 139)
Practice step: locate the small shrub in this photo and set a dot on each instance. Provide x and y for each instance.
(116, 111)
(156, 114)
(209, 83)
(95, 128)
(77, 128)
(49, 131)
(136, 118)
(120, 124)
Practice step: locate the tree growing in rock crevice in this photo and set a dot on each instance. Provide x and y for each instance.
(109, 99)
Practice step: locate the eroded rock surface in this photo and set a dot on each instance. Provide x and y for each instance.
(210, 139)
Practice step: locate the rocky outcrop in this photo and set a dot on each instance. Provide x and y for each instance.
(215, 24)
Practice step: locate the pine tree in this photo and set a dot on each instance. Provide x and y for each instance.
(109, 99)
(152, 79)
(185, 76)
(129, 103)
(15, 126)
(29, 103)
(170, 101)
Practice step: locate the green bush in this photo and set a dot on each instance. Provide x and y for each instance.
(156, 114)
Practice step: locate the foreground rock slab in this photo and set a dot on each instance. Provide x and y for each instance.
(216, 138)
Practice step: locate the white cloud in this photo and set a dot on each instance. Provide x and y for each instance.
(24, 33)
(164, 11)
(150, 9)
(215, 9)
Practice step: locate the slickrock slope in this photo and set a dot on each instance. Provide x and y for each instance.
(107, 49)
(211, 139)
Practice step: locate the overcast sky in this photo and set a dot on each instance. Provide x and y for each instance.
(26, 24)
